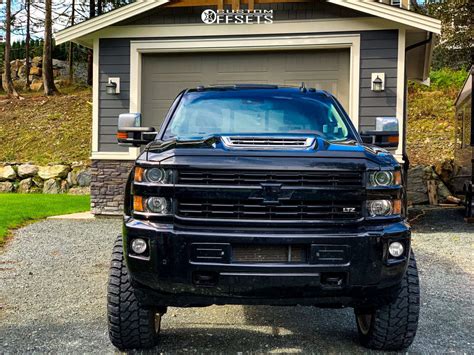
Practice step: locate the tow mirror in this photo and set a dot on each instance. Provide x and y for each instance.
(385, 134)
(130, 132)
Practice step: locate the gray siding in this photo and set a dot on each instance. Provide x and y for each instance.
(378, 54)
(318, 9)
(114, 60)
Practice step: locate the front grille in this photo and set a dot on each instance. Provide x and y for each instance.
(256, 210)
(268, 142)
(292, 254)
(255, 178)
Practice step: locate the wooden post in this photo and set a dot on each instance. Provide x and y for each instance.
(251, 5)
(220, 5)
(235, 5)
(432, 192)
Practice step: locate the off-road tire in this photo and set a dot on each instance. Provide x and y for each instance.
(393, 326)
(130, 325)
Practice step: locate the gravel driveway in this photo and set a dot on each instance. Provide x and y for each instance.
(53, 277)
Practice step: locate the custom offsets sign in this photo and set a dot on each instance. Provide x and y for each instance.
(238, 17)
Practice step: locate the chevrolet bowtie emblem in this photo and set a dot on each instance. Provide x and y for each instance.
(271, 194)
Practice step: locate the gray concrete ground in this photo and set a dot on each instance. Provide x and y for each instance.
(53, 277)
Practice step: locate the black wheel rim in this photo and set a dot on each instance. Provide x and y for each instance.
(365, 322)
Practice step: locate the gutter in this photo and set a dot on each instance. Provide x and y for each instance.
(419, 44)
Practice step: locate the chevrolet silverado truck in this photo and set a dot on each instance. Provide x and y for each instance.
(262, 195)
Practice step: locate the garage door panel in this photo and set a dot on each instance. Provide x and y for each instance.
(309, 60)
(185, 64)
(165, 75)
(242, 63)
(240, 81)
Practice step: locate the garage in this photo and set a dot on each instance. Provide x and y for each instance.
(165, 75)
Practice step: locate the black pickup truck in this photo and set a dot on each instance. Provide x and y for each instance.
(262, 195)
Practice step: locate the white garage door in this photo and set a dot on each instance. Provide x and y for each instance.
(165, 75)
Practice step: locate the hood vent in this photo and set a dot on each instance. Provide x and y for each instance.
(269, 142)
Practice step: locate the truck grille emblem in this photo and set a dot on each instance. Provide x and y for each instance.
(271, 194)
(348, 209)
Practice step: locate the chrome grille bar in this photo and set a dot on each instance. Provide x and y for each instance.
(277, 142)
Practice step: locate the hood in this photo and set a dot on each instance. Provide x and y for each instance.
(284, 146)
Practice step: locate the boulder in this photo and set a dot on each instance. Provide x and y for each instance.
(38, 182)
(25, 185)
(53, 171)
(36, 86)
(7, 173)
(72, 178)
(445, 170)
(84, 178)
(37, 62)
(59, 83)
(80, 191)
(27, 170)
(51, 186)
(36, 71)
(57, 64)
(6, 186)
(443, 191)
(63, 186)
(416, 189)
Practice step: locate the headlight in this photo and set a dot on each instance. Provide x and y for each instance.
(158, 205)
(380, 208)
(385, 178)
(155, 175)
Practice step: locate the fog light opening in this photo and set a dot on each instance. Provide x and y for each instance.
(139, 246)
(396, 249)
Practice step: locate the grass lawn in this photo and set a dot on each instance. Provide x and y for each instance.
(17, 209)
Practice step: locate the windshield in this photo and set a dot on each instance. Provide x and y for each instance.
(201, 114)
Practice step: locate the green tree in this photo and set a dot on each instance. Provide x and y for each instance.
(455, 45)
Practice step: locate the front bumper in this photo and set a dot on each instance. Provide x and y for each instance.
(191, 267)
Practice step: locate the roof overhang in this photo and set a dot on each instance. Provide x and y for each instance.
(81, 32)
(466, 90)
(77, 32)
(392, 13)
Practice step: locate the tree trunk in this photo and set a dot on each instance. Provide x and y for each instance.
(48, 77)
(7, 81)
(71, 46)
(27, 46)
(99, 7)
(89, 52)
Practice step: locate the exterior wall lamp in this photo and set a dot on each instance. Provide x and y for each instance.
(378, 82)
(113, 86)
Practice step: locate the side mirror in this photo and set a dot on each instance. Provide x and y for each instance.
(385, 134)
(130, 132)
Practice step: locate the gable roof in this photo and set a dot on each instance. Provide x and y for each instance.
(391, 13)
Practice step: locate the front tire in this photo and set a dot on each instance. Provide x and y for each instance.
(393, 326)
(130, 325)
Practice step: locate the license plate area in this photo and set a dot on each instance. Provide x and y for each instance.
(269, 254)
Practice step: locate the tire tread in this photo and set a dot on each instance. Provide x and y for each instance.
(130, 325)
(394, 325)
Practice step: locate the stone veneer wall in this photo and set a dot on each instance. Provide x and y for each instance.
(108, 186)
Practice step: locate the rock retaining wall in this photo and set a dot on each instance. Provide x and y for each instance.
(60, 72)
(48, 179)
